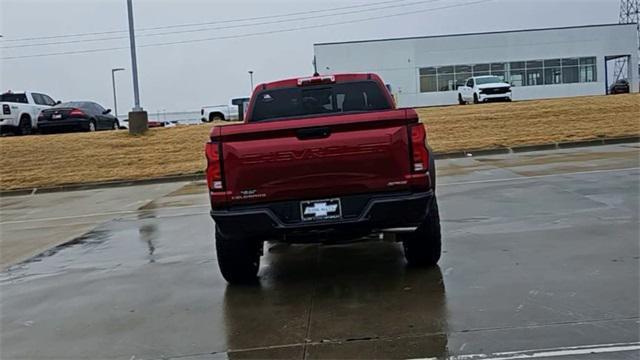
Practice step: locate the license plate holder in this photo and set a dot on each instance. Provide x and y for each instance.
(325, 209)
(56, 116)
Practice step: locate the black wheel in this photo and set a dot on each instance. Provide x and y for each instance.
(460, 101)
(422, 248)
(475, 98)
(24, 126)
(238, 258)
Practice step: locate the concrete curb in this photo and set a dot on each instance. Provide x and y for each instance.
(104, 184)
(538, 147)
(448, 155)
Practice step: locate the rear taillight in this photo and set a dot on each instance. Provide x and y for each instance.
(76, 113)
(6, 109)
(214, 173)
(420, 154)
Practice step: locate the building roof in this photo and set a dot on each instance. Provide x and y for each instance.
(468, 34)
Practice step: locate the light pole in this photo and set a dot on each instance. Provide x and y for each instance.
(138, 120)
(113, 83)
(251, 80)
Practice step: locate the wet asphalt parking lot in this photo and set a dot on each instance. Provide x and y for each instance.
(540, 261)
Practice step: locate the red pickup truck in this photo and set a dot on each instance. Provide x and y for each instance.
(323, 158)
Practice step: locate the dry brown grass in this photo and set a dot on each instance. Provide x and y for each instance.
(494, 125)
(49, 160)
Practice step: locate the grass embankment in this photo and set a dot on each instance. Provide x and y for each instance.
(37, 161)
(495, 125)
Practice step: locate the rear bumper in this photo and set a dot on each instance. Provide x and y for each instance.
(362, 214)
(8, 120)
(64, 123)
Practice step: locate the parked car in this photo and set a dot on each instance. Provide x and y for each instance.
(621, 86)
(158, 123)
(20, 111)
(77, 115)
(324, 158)
(482, 89)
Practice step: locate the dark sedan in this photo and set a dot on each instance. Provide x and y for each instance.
(619, 87)
(77, 115)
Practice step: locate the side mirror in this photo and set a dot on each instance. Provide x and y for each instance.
(58, 102)
(106, 111)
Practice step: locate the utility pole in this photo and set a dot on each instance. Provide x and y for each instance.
(138, 120)
(113, 83)
(251, 80)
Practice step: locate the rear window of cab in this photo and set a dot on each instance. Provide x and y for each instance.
(14, 98)
(304, 101)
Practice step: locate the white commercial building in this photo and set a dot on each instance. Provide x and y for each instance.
(539, 63)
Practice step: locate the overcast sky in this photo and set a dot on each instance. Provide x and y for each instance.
(186, 76)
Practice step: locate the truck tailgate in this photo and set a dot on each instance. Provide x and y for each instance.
(316, 157)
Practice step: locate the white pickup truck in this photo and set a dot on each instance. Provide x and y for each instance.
(219, 112)
(20, 111)
(482, 89)
(232, 112)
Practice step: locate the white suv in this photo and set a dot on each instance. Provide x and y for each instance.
(20, 110)
(483, 89)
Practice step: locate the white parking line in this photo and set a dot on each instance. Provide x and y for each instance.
(524, 178)
(124, 212)
(554, 352)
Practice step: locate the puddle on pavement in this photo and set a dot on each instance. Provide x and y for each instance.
(83, 244)
(197, 187)
(194, 193)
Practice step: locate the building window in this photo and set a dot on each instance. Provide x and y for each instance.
(534, 72)
(462, 73)
(481, 69)
(588, 69)
(570, 71)
(499, 70)
(552, 72)
(518, 73)
(445, 78)
(428, 80)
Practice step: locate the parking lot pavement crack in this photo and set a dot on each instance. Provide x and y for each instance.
(307, 336)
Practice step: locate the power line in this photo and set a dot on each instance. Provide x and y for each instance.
(216, 28)
(252, 34)
(205, 23)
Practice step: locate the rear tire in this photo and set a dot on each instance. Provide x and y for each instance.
(460, 100)
(238, 258)
(24, 127)
(422, 248)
